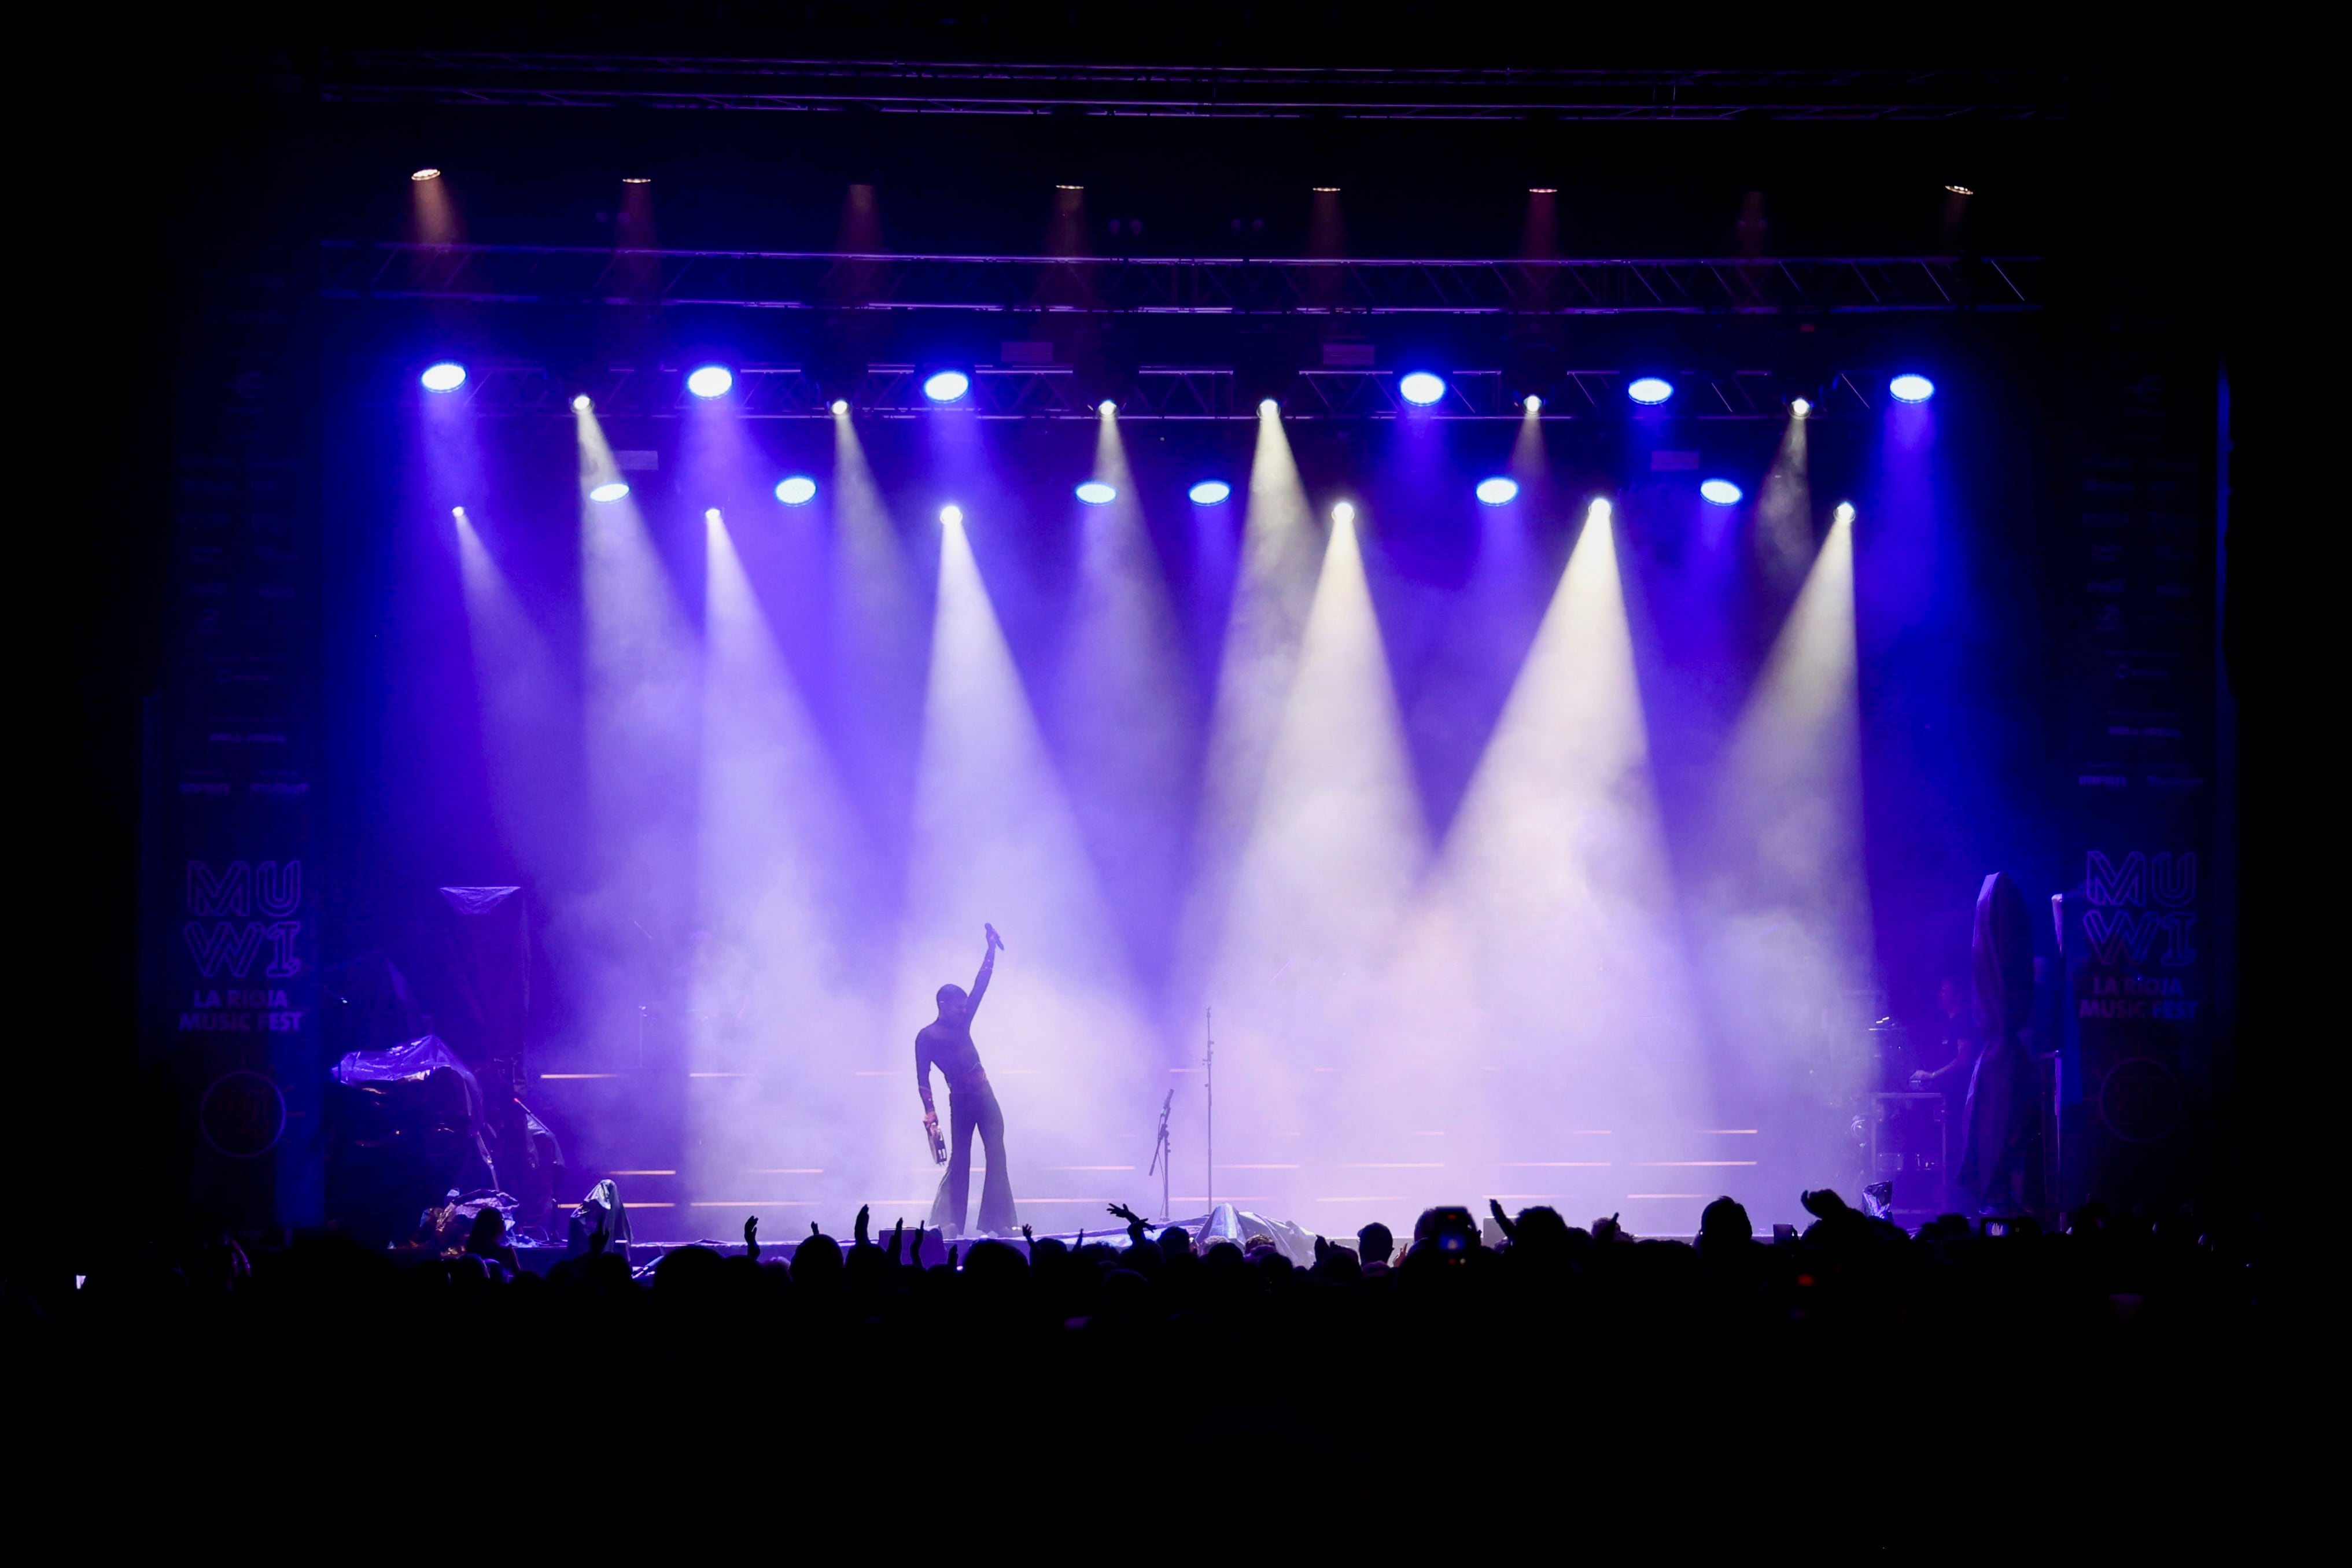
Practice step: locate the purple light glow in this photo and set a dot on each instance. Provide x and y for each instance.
(1351, 772)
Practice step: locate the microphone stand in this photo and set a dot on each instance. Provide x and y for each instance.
(1209, 1071)
(1162, 1157)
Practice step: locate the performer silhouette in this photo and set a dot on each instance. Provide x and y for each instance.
(946, 1042)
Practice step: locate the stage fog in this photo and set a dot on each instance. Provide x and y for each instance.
(1561, 851)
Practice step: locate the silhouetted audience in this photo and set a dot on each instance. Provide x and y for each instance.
(973, 1366)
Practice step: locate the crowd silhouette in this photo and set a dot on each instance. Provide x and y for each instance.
(1853, 1344)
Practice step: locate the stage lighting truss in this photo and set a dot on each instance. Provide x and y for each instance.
(1188, 392)
(1223, 90)
(1224, 287)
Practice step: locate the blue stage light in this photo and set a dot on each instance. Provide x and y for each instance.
(1650, 390)
(1210, 493)
(1498, 490)
(796, 491)
(1720, 493)
(946, 386)
(446, 376)
(1421, 387)
(710, 381)
(1094, 493)
(1911, 387)
(610, 490)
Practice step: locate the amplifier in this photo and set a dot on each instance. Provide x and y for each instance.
(1909, 1147)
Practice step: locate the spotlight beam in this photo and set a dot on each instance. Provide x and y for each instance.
(1555, 880)
(994, 838)
(1274, 586)
(1782, 908)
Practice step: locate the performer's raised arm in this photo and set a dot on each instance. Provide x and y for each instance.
(923, 1079)
(987, 967)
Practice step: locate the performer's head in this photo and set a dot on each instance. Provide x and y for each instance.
(954, 1006)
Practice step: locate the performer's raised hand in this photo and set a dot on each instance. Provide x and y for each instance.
(751, 1236)
(994, 941)
(864, 1212)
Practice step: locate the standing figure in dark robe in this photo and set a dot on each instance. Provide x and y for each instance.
(946, 1043)
(2001, 1124)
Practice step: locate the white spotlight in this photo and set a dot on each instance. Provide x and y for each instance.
(1911, 387)
(446, 376)
(1532, 403)
(710, 381)
(1210, 493)
(1650, 390)
(841, 405)
(1421, 387)
(610, 490)
(1343, 513)
(580, 404)
(951, 515)
(424, 174)
(1105, 408)
(1799, 407)
(1959, 190)
(1094, 493)
(1498, 491)
(946, 386)
(798, 490)
(1267, 408)
(1719, 492)
(1844, 513)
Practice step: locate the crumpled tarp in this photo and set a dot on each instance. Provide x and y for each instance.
(477, 900)
(417, 1059)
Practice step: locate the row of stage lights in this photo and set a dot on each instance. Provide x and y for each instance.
(1499, 490)
(953, 516)
(1420, 388)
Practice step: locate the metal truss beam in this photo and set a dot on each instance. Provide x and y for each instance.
(1155, 393)
(788, 280)
(895, 86)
